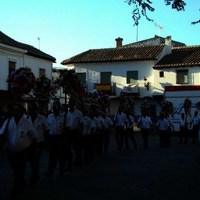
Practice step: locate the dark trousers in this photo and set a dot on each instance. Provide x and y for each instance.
(75, 144)
(35, 156)
(195, 132)
(88, 148)
(129, 135)
(18, 162)
(145, 137)
(106, 139)
(55, 153)
(164, 138)
(119, 135)
(183, 135)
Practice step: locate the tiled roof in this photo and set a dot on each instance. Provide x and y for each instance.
(116, 54)
(156, 40)
(4, 39)
(181, 57)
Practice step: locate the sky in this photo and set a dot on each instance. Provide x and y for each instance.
(65, 28)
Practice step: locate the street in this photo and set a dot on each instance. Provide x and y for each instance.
(165, 174)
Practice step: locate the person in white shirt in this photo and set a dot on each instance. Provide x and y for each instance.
(74, 128)
(183, 129)
(40, 123)
(163, 128)
(195, 126)
(129, 132)
(120, 122)
(93, 136)
(20, 134)
(99, 131)
(145, 124)
(55, 139)
(108, 124)
(86, 137)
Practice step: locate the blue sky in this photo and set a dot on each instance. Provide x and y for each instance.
(69, 27)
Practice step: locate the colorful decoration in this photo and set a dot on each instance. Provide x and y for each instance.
(72, 86)
(167, 108)
(145, 107)
(98, 101)
(42, 88)
(70, 83)
(22, 81)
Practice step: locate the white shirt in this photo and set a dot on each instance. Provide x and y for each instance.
(120, 119)
(145, 122)
(87, 126)
(55, 124)
(40, 125)
(130, 121)
(99, 122)
(163, 125)
(19, 136)
(74, 119)
(107, 122)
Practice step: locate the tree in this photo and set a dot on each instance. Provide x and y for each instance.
(141, 7)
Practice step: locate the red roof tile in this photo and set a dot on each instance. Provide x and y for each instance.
(181, 57)
(116, 54)
(4, 39)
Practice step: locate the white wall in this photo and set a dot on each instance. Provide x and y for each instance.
(36, 63)
(5, 57)
(170, 78)
(119, 73)
(22, 60)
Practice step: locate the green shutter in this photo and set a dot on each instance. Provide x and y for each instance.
(106, 77)
(132, 77)
(81, 77)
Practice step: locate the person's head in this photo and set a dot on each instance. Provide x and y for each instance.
(72, 104)
(18, 111)
(56, 107)
(162, 116)
(32, 108)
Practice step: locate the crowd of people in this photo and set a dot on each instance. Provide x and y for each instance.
(73, 138)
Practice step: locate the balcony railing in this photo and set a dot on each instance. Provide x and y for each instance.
(106, 88)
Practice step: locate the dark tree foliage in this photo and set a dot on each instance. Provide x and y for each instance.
(141, 7)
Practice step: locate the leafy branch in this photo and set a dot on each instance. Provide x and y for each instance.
(142, 7)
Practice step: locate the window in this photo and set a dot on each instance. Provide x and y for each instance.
(161, 74)
(42, 72)
(106, 77)
(11, 69)
(82, 77)
(131, 77)
(182, 77)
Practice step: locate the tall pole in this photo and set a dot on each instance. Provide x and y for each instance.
(137, 23)
(38, 43)
(137, 33)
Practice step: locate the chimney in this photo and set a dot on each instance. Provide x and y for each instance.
(168, 43)
(168, 40)
(119, 42)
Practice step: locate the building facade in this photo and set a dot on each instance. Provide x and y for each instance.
(15, 55)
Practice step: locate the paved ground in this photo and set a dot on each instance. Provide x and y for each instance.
(155, 174)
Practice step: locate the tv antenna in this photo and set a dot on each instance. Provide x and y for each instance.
(38, 43)
(159, 28)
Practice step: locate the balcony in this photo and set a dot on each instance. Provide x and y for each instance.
(106, 88)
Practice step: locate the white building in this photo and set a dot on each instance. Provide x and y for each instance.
(126, 68)
(14, 55)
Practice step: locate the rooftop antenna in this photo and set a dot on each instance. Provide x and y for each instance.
(159, 28)
(137, 23)
(38, 43)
